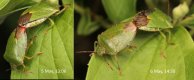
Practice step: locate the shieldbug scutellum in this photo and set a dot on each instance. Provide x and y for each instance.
(119, 36)
(17, 44)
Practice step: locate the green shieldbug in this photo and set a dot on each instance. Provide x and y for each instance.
(40, 13)
(16, 48)
(17, 43)
(119, 36)
(116, 38)
(113, 40)
(155, 21)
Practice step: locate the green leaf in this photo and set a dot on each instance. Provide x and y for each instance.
(161, 4)
(55, 41)
(149, 60)
(14, 6)
(68, 1)
(86, 26)
(189, 60)
(118, 10)
(3, 3)
(188, 21)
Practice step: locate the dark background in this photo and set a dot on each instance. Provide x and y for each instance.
(85, 43)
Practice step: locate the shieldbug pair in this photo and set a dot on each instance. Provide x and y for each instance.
(17, 43)
(120, 36)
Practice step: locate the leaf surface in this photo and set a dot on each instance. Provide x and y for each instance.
(118, 10)
(3, 3)
(149, 61)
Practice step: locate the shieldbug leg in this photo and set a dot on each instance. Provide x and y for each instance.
(132, 45)
(37, 54)
(91, 54)
(13, 67)
(51, 25)
(51, 21)
(164, 45)
(169, 37)
(24, 68)
(30, 42)
(26, 71)
(107, 62)
(118, 66)
(95, 45)
(23, 65)
(63, 9)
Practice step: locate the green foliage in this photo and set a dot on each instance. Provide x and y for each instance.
(41, 10)
(161, 4)
(189, 60)
(14, 6)
(68, 1)
(3, 3)
(56, 44)
(86, 26)
(188, 21)
(150, 55)
(117, 10)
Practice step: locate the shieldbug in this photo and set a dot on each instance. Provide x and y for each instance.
(116, 38)
(17, 44)
(41, 12)
(120, 35)
(154, 21)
